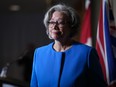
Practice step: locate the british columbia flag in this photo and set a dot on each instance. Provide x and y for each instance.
(106, 43)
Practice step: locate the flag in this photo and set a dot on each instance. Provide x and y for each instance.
(104, 44)
(112, 62)
(85, 34)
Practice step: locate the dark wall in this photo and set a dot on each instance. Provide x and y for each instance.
(17, 32)
(20, 29)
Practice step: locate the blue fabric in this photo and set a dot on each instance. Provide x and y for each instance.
(76, 67)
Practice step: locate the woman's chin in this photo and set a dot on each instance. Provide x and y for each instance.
(56, 37)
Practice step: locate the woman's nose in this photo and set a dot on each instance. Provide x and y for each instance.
(55, 26)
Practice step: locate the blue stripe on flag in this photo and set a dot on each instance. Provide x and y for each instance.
(110, 58)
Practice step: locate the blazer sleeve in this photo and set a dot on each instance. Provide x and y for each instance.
(95, 72)
(33, 76)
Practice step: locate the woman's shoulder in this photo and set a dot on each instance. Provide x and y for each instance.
(82, 46)
(45, 47)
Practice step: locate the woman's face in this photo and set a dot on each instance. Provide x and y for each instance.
(58, 26)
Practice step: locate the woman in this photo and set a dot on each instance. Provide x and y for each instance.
(64, 62)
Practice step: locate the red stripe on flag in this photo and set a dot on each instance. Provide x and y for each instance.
(100, 45)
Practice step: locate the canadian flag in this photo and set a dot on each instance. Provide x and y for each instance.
(85, 34)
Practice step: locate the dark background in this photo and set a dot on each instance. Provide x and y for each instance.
(22, 30)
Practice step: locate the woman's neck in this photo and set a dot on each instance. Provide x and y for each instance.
(62, 46)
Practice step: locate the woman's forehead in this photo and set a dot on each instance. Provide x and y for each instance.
(59, 15)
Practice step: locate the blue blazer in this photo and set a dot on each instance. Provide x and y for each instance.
(76, 67)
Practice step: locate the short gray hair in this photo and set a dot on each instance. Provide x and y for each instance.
(74, 18)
